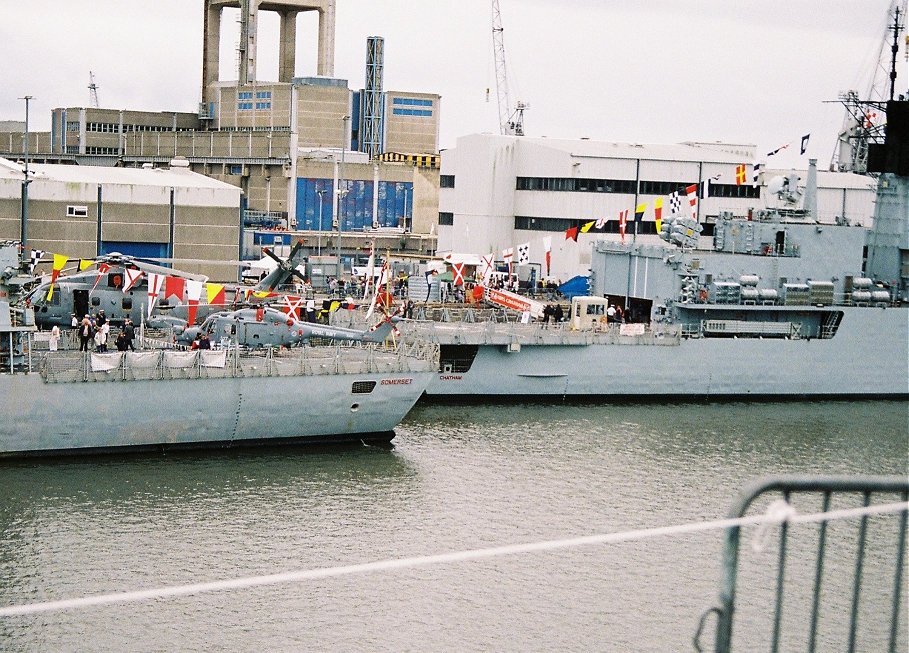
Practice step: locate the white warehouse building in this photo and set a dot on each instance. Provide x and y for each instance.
(500, 192)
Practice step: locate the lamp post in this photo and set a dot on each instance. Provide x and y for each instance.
(23, 231)
(341, 193)
(321, 193)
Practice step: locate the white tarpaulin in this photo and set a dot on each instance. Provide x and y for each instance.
(211, 358)
(105, 362)
(631, 330)
(142, 359)
(179, 359)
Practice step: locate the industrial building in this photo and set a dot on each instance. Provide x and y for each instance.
(84, 211)
(287, 144)
(498, 192)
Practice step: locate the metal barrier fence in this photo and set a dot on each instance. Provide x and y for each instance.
(826, 490)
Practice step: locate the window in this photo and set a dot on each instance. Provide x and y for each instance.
(244, 105)
(245, 95)
(96, 301)
(446, 181)
(263, 95)
(411, 112)
(527, 223)
(446, 218)
(236, 170)
(543, 224)
(263, 105)
(412, 102)
(661, 187)
(734, 190)
(126, 303)
(76, 211)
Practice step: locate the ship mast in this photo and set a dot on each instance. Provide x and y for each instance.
(866, 119)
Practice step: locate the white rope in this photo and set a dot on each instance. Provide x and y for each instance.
(775, 516)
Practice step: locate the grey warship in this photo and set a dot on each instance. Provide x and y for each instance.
(780, 306)
(72, 402)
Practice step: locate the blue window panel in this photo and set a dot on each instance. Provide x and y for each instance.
(411, 112)
(356, 206)
(244, 95)
(263, 95)
(307, 210)
(270, 238)
(263, 105)
(138, 249)
(413, 102)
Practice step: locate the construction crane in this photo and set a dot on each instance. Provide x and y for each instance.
(510, 123)
(93, 91)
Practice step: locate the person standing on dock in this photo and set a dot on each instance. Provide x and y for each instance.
(130, 332)
(85, 333)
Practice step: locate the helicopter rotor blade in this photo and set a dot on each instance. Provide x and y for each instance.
(271, 254)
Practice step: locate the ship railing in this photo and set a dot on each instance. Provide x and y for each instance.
(339, 358)
(537, 333)
(814, 593)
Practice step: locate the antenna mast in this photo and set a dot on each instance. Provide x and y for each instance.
(92, 91)
(866, 119)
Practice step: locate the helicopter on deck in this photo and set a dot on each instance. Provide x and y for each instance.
(264, 326)
(119, 286)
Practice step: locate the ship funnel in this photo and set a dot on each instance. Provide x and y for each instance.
(810, 203)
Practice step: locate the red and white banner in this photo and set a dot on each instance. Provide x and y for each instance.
(155, 281)
(514, 301)
(488, 267)
(292, 305)
(193, 292)
(692, 192)
(623, 221)
(173, 287)
(507, 256)
(132, 278)
(102, 270)
(457, 271)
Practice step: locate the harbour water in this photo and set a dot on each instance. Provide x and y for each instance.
(457, 478)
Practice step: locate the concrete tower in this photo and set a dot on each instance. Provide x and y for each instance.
(249, 9)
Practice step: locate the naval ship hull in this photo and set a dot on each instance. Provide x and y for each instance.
(97, 414)
(867, 358)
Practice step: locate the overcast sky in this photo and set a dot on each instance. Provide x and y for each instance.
(651, 71)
